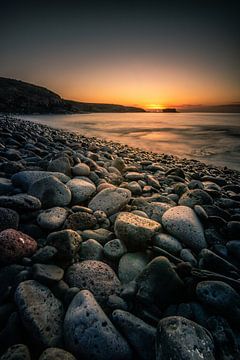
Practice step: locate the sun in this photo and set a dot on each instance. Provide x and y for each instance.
(155, 107)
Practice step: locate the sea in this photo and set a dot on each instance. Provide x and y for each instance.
(213, 138)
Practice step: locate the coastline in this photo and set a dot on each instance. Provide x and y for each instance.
(97, 232)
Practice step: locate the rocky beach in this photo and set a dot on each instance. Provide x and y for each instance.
(109, 252)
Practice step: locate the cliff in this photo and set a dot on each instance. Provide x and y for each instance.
(19, 97)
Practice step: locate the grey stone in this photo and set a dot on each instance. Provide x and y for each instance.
(195, 197)
(47, 274)
(67, 242)
(20, 202)
(182, 222)
(9, 219)
(25, 179)
(16, 352)
(51, 192)
(131, 265)
(168, 243)
(181, 339)
(33, 300)
(110, 200)
(95, 276)
(89, 334)
(81, 169)
(136, 231)
(114, 249)
(81, 190)
(140, 335)
(56, 354)
(52, 219)
(91, 250)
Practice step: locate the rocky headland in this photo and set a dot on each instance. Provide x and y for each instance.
(19, 97)
(110, 252)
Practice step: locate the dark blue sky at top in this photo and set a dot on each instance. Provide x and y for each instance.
(40, 37)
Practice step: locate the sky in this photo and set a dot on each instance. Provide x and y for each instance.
(144, 53)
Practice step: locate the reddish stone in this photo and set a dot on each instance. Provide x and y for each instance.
(15, 245)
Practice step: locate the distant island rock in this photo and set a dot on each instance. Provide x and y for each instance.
(19, 97)
(169, 110)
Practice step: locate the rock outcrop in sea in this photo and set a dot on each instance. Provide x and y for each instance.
(111, 252)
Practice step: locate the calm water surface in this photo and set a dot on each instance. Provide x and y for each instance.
(212, 138)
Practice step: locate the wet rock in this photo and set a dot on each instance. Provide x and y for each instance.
(220, 297)
(47, 274)
(135, 231)
(17, 352)
(131, 265)
(81, 190)
(114, 249)
(15, 245)
(139, 335)
(61, 165)
(33, 300)
(100, 235)
(81, 169)
(25, 179)
(195, 197)
(80, 221)
(168, 243)
(182, 339)
(158, 283)
(53, 218)
(51, 192)
(44, 255)
(89, 333)
(91, 250)
(110, 200)
(182, 222)
(20, 202)
(95, 276)
(67, 243)
(9, 219)
(56, 354)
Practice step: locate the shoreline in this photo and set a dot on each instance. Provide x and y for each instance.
(109, 251)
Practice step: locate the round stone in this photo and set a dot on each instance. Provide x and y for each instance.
(183, 223)
(135, 231)
(47, 274)
(34, 300)
(94, 276)
(81, 170)
(89, 334)
(195, 197)
(67, 243)
(110, 200)
(81, 190)
(56, 354)
(91, 250)
(61, 165)
(17, 352)
(51, 192)
(131, 265)
(14, 245)
(114, 249)
(20, 202)
(180, 338)
(80, 221)
(9, 219)
(168, 243)
(52, 219)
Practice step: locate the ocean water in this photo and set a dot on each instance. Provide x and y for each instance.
(209, 137)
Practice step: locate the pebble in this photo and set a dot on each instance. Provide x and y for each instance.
(220, 297)
(91, 250)
(80, 221)
(131, 265)
(33, 300)
(135, 231)
(110, 200)
(17, 352)
(182, 222)
(20, 202)
(47, 274)
(95, 276)
(168, 243)
(56, 354)
(114, 249)
(158, 283)
(195, 197)
(53, 218)
(182, 339)
(25, 179)
(89, 334)
(51, 192)
(61, 165)
(81, 190)
(8, 219)
(14, 245)
(81, 169)
(67, 242)
(139, 335)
